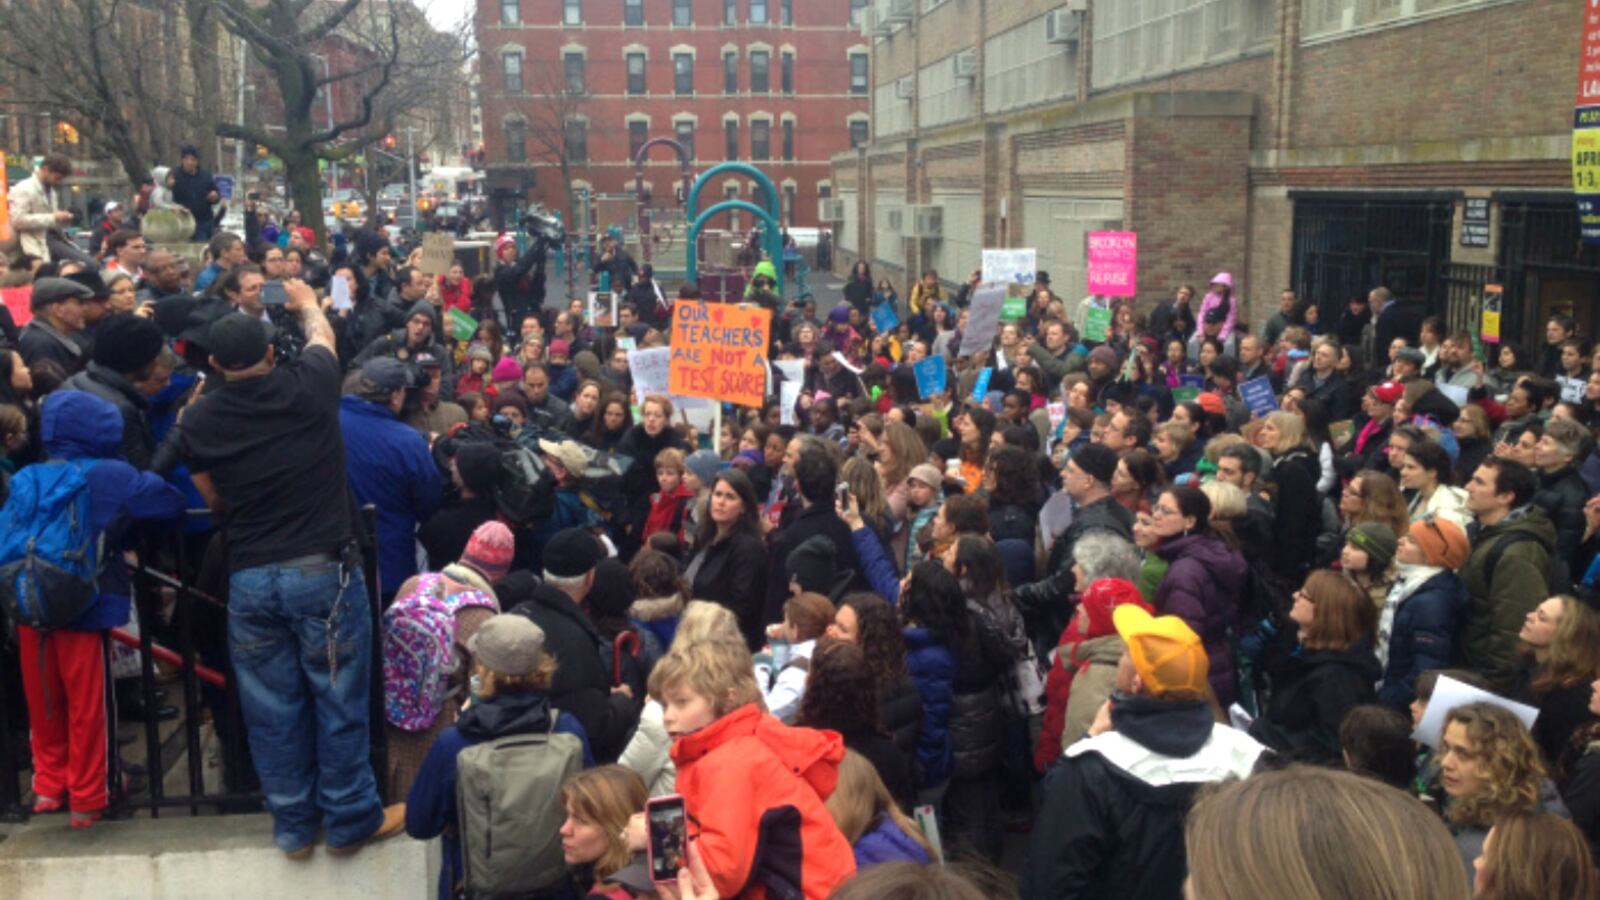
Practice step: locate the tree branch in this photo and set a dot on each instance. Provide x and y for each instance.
(324, 28)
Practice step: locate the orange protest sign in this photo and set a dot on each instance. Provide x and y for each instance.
(719, 351)
(5, 201)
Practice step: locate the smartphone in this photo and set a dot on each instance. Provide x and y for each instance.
(841, 492)
(273, 294)
(253, 195)
(664, 819)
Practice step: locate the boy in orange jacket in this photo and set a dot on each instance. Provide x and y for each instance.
(754, 788)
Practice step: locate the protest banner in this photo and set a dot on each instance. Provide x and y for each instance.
(438, 253)
(1258, 395)
(931, 376)
(1096, 324)
(1113, 263)
(462, 326)
(1010, 266)
(1493, 296)
(602, 310)
(1192, 380)
(1013, 309)
(1185, 394)
(1586, 128)
(719, 351)
(983, 319)
(884, 319)
(788, 396)
(981, 388)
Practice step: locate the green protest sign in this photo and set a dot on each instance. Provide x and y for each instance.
(462, 326)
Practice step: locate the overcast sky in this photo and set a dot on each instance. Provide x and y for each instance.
(447, 14)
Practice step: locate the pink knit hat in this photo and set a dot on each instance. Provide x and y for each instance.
(506, 369)
(489, 550)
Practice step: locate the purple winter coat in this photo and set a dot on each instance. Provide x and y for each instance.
(1202, 586)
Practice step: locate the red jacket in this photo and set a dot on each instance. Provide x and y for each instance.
(458, 297)
(753, 785)
(667, 512)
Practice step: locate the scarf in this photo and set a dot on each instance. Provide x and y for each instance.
(470, 576)
(1408, 578)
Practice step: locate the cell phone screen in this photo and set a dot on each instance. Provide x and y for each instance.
(273, 294)
(665, 818)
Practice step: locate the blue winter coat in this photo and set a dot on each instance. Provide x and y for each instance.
(932, 666)
(1422, 637)
(563, 380)
(886, 842)
(79, 425)
(389, 466)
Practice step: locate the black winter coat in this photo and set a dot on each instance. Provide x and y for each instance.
(816, 519)
(446, 533)
(639, 482)
(900, 711)
(1298, 513)
(138, 442)
(1310, 696)
(1561, 495)
(975, 732)
(1336, 393)
(734, 574)
(1045, 604)
(582, 684)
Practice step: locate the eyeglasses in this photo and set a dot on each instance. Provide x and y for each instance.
(1163, 511)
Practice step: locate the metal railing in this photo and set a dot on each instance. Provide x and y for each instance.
(204, 680)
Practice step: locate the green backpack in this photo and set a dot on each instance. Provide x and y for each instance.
(509, 811)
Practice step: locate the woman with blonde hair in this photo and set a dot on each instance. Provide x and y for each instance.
(648, 751)
(1247, 840)
(1472, 433)
(1296, 502)
(602, 847)
(1561, 639)
(1535, 855)
(878, 831)
(899, 451)
(864, 483)
(1489, 767)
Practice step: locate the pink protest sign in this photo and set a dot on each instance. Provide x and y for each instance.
(1113, 263)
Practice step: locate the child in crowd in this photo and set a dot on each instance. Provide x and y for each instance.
(924, 498)
(660, 593)
(669, 506)
(878, 831)
(806, 617)
(753, 787)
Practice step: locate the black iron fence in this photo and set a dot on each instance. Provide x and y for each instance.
(190, 641)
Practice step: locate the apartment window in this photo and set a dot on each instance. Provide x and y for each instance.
(730, 73)
(858, 133)
(788, 204)
(682, 13)
(636, 83)
(858, 74)
(856, 8)
(760, 72)
(684, 131)
(758, 12)
(786, 11)
(511, 65)
(760, 140)
(730, 138)
(572, 12)
(683, 74)
(638, 133)
(572, 64)
(788, 139)
(730, 12)
(516, 141)
(633, 12)
(787, 72)
(577, 134)
(510, 13)
(731, 192)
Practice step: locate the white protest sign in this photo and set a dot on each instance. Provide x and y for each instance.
(788, 396)
(602, 310)
(339, 292)
(651, 375)
(1010, 266)
(983, 319)
(1448, 694)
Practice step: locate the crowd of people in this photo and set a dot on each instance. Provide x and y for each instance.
(1086, 595)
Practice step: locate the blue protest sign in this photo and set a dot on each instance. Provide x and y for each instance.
(884, 319)
(980, 389)
(1257, 394)
(931, 376)
(1194, 381)
(224, 186)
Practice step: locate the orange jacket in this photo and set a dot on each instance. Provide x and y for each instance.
(753, 785)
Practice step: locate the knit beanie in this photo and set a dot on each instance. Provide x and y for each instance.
(1105, 595)
(478, 463)
(812, 564)
(1097, 461)
(1377, 540)
(126, 343)
(1443, 541)
(489, 550)
(1105, 354)
(1211, 402)
(612, 592)
(506, 369)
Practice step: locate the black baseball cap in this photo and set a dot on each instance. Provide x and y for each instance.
(238, 341)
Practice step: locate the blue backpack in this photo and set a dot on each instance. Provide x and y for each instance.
(49, 554)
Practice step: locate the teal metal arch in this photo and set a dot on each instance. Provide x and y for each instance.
(692, 275)
(773, 212)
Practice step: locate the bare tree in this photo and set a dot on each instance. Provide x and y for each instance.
(559, 128)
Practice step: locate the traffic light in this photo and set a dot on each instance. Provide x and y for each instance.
(390, 141)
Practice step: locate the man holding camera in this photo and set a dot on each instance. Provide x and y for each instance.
(264, 451)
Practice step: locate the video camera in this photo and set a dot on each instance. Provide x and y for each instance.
(542, 226)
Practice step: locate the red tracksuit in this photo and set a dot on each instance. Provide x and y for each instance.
(68, 699)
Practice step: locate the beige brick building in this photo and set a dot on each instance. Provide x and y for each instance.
(1331, 146)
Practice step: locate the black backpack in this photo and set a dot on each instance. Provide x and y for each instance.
(1557, 579)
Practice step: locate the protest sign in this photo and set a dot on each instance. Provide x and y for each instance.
(1191, 380)
(5, 204)
(1185, 394)
(1113, 263)
(650, 372)
(602, 310)
(339, 293)
(462, 326)
(1010, 266)
(983, 319)
(1258, 395)
(1493, 295)
(1096, 324)
(1458, 395)
(788, 396)
(981, 388)
(931, 376)
(1448, 694)
(224, 185)
(719, 351)
(884, 319)
(1572, 388)
(438, 253)
(1013, 309)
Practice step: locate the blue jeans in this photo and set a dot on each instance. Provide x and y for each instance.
(301, 645)
(203, 231)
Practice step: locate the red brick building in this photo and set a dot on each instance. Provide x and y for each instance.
(781, 84)
(1330, 146)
